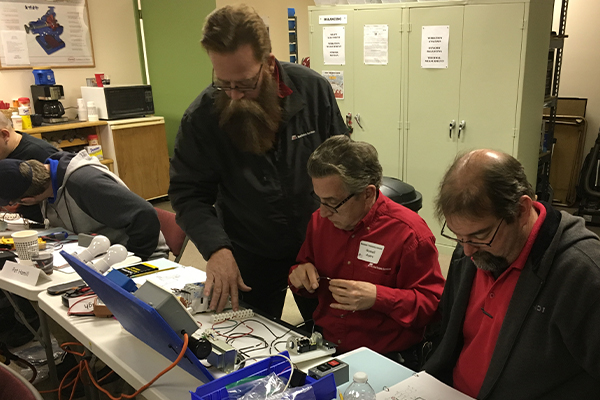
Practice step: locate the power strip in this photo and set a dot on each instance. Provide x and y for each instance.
(240, 314)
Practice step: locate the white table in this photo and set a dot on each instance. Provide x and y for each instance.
(382, 371)
(30, 292)
(136, 362)
(129, 357)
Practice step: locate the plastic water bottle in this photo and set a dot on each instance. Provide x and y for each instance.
(360, 388)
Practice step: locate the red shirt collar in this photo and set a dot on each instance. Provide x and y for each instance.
(284, 90)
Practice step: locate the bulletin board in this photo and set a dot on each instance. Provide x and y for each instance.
(53, 33)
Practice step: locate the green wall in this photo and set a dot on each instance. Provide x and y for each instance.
(179, 67)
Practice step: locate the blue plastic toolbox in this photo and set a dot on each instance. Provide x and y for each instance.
(324, 388)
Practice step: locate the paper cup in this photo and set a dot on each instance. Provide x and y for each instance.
(26, 244)
(99, 78)
(44, 261)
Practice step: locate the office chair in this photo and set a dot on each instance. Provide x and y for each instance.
(14, 386)
(174, 236)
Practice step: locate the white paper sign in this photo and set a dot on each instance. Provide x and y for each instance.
(434, 46)
(370, 252)
(376, 44)
(21, 273)
(82, 304)
(336, 79)
(334, 45)
(333, 19)
(14, 45)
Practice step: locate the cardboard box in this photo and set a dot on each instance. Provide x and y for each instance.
(569, 133)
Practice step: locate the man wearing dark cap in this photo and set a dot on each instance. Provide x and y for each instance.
(22, 146)
(78, 193)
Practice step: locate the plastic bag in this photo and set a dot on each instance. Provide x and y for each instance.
(258, 389)
(305, 392)
(270, 387)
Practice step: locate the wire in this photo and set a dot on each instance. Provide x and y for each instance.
(275, 355)
(84, 365)
(274, 345)
(263, 324)
(79, 301)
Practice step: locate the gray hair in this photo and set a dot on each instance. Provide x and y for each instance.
(477, 185)
(355, 162)
(5, 122)
(40, 177)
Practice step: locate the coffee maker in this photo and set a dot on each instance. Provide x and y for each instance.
(45, 102)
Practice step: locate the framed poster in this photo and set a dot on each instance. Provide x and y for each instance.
(53, 33)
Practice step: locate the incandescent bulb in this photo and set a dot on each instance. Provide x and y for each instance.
(115, 254)
(99, 245)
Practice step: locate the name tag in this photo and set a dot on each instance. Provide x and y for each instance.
(21, 272)
(370, 252)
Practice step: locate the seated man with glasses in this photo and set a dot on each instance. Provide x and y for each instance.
(371, 262)
(238, 174)
(521, 306)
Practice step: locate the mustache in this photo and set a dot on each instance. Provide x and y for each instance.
(251, 123)
(489, 262)
(243, 109)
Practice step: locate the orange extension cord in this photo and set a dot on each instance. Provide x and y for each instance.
(83, 365)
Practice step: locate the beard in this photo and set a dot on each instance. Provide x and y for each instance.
(489, 262)
(251, 123)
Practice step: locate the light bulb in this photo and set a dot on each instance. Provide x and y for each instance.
(115, 254)
(99, 245)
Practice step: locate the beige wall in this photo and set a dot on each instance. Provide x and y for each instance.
(581, 60)
(115, 48)
(276, 13)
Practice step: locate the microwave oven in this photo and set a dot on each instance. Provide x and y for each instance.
(116, 102)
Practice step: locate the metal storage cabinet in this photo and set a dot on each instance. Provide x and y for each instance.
(494, 83)
(371, 91)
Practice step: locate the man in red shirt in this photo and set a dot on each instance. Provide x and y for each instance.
(520, 307)
(371, 262)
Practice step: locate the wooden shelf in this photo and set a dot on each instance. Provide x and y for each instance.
(75, 142)
(63, 127)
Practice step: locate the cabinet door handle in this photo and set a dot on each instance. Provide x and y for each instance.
(452, 125)
(357, 119)
(461, 126)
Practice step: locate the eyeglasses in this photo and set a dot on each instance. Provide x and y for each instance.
(247, 86)
(470, 242)
(331, 208)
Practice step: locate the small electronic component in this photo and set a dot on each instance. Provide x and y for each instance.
(74, 293)
(192, 297)
(222, 356)
(339, 369)
(240, 314)
(9, 243)
(303, 344)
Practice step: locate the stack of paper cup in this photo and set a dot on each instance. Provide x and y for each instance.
(26, 244)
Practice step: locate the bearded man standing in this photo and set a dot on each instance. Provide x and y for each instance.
(242, 146)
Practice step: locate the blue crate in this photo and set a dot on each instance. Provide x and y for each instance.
(324, 388)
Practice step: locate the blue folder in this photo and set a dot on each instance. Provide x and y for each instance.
(139, 319)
